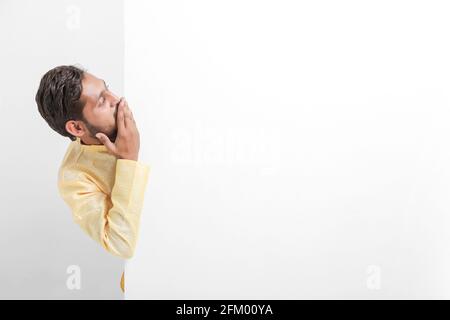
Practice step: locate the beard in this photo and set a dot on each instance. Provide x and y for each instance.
(93, 130)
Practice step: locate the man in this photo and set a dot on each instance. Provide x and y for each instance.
(100, 177)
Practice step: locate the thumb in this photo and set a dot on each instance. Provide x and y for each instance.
(108, 144)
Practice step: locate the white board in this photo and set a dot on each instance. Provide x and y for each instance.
(299, 149)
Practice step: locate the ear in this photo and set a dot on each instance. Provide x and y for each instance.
(75, 128)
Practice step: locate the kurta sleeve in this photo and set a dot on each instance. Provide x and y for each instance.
(111, 220)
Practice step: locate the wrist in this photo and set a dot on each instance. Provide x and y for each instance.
(134, 158)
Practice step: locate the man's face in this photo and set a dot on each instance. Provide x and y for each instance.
(100, 110)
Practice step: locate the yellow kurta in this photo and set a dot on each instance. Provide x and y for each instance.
(105, 195)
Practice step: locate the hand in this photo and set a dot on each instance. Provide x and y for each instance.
(126, 145)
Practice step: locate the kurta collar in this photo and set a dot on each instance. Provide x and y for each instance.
(91, 147)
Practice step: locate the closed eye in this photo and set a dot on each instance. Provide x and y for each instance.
(102, 99)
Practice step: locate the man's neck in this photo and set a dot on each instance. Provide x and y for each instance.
(89, 142)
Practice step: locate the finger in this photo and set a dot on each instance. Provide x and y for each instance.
(121, 116)
(128, 115)
(131, 120)
(106, 142)
(127, 108)
(128, 120)
(131, 114)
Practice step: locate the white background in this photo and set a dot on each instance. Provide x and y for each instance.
(299, 149)
(39, 241)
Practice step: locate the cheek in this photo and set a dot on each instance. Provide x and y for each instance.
(104, 116)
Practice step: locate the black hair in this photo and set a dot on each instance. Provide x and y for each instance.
(58, 97)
